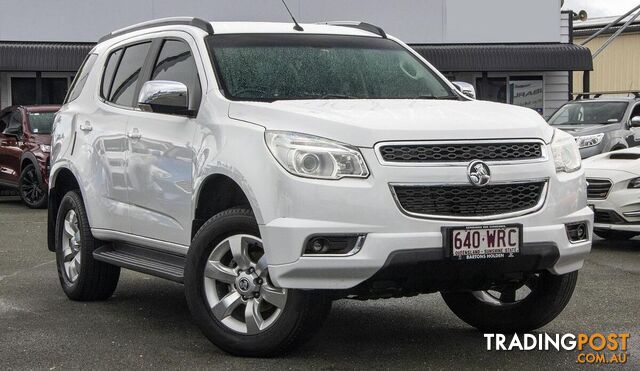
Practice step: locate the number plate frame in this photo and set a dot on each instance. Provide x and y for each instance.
(447, 241)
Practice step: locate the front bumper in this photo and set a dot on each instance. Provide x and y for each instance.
(620, 210)
(350, 206)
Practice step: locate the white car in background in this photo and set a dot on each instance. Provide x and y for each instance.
(614, 193)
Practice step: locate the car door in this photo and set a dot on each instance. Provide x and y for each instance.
(102, 137)
(11, 144)
(5, 115)
(160, 163)
(634, 139)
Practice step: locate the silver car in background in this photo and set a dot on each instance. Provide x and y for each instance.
(600, 124)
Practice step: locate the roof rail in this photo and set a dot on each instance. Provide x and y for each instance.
(359, 25)
(184, 21)
(598, 94)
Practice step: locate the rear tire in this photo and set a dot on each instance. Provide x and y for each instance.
(32, 191)
(227, 309)
(82, 278)
(549, 295)
(608, 234)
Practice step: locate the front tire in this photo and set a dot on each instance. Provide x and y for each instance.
(82, 278)
(232, 298)
(32, 191)
(501, 310)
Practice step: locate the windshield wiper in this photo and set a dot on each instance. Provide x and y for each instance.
(444, 97)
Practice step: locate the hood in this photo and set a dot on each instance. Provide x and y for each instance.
(363, 123)
(627, 160)
(41, 138)
(588, 129)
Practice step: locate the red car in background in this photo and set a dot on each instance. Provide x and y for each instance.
(25, 145)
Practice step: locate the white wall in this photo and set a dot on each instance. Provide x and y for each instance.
(414, 21)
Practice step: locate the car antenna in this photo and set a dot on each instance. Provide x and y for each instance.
(297, 26)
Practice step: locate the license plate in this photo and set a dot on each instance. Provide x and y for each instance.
(483, 242)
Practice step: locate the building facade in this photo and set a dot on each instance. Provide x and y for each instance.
(618, 66)
(513, 51)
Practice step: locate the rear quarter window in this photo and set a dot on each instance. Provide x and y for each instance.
(81, 78)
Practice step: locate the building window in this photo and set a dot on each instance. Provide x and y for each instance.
(33, 90)
(524, 91)
(493, 89)
(23, 91)
(527, 91)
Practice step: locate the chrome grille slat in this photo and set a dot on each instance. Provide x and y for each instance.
(598, 189)
(467, 200)
(460, 152)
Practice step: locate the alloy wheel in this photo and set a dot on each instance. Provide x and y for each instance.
(31, 190)
(71, 244)
(237, 286)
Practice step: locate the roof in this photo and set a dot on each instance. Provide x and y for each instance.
(287, 27)
(42, 108)
(590, 26)
(506, 57)
(42, 56)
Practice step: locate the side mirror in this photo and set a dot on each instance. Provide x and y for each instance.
(635, 122)
(465, 88)
(168, 97)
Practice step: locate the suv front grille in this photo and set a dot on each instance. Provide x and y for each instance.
(462, 152)
(468, 200)
(598, 189)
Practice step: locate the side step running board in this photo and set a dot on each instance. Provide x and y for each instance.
(144, 260)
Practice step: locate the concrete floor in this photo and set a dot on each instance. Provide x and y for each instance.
(147, 323)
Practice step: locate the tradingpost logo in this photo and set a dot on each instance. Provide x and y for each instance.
(595, 348)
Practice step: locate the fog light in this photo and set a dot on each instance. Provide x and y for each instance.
(343, 245)
(577, 232)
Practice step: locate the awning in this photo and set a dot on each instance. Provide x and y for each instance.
(506, 57)
(42, 56)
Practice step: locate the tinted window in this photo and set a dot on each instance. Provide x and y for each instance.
(589, 113)
(175, 63)
(81, 78)
(128, 73)
(41, 122)
(107, 77)
(276, 66)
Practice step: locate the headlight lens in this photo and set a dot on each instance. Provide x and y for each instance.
(634, 183)
(314, 157)
(565, 152)
(589, 140)
(45, 148)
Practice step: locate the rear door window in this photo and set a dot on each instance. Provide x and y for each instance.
(126, 77)
(109, 70)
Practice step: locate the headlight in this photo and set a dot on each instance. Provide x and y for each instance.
(634, 183)
(314, 157)
(589, 140)
(45, 148)
(565, 152)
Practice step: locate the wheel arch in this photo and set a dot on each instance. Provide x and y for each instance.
(218, 192)
(61, 181)
(28, 158)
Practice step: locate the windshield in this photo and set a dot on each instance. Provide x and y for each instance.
(584, 113)
(41, 122)
(268, 67)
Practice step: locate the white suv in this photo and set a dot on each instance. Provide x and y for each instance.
(273, 170)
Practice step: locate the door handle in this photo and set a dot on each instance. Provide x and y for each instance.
(134, 134)
(86, 126)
